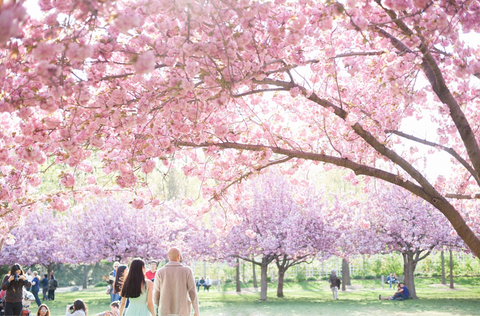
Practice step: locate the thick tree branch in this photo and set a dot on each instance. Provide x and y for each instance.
(437, 81)
(451, 151)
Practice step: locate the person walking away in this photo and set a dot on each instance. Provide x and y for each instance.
(52, 286)
(77, 309)
(174, 291)
(43, 310)
(36, 288)
(153, 269)
(13, 284)
(44, 284)
(138, 290)
(333, 284)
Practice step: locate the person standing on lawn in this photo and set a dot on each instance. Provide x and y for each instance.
(44, 284)
(174, 290)
(334, 284)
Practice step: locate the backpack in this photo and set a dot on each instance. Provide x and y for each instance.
(55, 283)
(339, 282)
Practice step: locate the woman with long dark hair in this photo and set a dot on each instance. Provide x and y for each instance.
(77, 309)
(138, 289)
(13, 284)
(43, 310)
(120, 276)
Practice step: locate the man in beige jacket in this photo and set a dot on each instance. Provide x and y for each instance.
(174, 291)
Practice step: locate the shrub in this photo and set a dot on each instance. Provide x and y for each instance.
(369, 277)
(325, 278)
(300, 276)
(311, 278)
(228, 281)
(357, 277)
(269, 279)
(287, 280)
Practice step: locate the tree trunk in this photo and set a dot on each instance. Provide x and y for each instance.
(255, 285)
(281, 276)
(49, 268)
(443, 268)
(85, 276)
(237, 276)
(345, 273)
(243, 273)
(409, 266)
(263, 280)
(451, 270)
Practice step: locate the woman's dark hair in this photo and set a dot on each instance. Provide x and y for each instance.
(40, 307)
(119, 278)
(52, 277)
(135, 280)
(79, 305)
(14, 269)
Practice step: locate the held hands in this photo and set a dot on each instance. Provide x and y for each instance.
(11, 278)
(22, 277)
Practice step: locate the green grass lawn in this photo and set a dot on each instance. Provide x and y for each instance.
(314, 298)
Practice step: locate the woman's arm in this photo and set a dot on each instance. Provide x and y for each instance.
(150, 297)
(122, 305)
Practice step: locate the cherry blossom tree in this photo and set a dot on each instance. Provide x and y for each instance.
(252, 83)
(112, 229)
(39, 241)
(399, 221)
(278, 223)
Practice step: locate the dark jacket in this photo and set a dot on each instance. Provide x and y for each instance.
(14, 289)
(51, 285)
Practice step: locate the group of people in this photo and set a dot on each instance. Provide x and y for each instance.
(401, 294)
(392, 279)
(170, 290)
(12, 289)
(205, 283)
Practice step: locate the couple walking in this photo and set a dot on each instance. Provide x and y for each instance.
(172, 293)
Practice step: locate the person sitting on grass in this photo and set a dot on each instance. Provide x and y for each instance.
(400, 295)
(114, 310)
(78, 308)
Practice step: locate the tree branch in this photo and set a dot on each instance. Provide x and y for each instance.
(451, 151)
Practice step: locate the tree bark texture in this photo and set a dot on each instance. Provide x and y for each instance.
(255, 284)
(443, 267)
(346, 273)
(451, 270)
(263, 280)
(281, 277)
(237, 276)
(85, 276)
(409, 265)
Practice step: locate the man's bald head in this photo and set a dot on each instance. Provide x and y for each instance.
(174, 254)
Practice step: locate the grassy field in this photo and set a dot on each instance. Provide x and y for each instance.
(314, 298)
